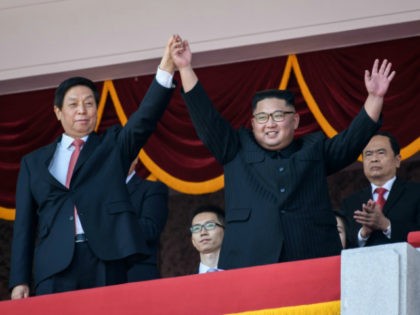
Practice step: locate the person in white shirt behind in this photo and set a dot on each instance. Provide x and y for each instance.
(207, 231)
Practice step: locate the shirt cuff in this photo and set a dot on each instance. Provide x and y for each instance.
(361, 240)
(164, 78)
(387, 232)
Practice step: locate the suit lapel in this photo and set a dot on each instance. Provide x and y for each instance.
(365, 196)
(48, 155)
(394, 195)
(133, 184)
(88, 149)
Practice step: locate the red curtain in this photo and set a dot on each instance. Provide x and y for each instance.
(336, 79)
(333, 77)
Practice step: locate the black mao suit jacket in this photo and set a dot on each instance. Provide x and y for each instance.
(150, 201)
(43, 236)
(402, 208)
(277, 203)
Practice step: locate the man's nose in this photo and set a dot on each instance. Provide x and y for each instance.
(81, 108)
(271, 121)
(375, 157)
(203, 231)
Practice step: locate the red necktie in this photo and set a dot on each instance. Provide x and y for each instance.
(77, 143)
(381, 199)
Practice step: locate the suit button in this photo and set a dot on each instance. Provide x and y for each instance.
(282, 190)
(281, 169)
(283, 211)
(71, 218)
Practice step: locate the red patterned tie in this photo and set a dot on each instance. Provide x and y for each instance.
(77, 143)
(381, 199)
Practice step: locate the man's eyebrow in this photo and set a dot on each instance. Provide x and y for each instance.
(71, 97)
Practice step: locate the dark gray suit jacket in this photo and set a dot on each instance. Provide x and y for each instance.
(402, 208)
(277, 203)
(43, 237)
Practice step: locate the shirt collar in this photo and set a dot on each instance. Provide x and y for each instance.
(285, 152)
(130, 176)
(66, 140)
(203, 268)
(387, 185)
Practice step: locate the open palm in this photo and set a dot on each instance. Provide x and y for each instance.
(377, 82)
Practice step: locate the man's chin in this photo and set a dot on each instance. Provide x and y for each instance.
(272, 145)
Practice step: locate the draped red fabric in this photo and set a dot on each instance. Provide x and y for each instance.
(27, 121)
(334, 77)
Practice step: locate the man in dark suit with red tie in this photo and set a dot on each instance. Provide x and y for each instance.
(81, 235)
(387, 210)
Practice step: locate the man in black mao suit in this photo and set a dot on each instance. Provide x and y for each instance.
(276, 193)
(150, 200)
(368, 222)
(105, 221)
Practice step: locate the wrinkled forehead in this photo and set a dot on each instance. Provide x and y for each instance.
(78, 92)
(377, 143)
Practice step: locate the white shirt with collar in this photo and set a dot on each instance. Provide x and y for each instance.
(204, 268)
(388, 185)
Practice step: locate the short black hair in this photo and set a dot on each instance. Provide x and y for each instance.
(286, 95)
(67, 84)
(220, 213)
(393, 141)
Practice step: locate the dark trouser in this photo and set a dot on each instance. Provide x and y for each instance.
(85, 271)
(141, 272)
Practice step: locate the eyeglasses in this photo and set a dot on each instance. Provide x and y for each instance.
(208, 226)
(278, 116)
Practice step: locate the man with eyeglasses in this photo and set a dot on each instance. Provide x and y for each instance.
(207, 232)
(276, 193)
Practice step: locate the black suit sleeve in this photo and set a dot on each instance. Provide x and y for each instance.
(213, 130)
(352, 227)
(154, 211)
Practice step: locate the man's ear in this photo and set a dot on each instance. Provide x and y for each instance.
(296, 118)
(398, 160)
(57, 112)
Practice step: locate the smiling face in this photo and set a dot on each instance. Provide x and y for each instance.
(207, 241)
(79, 112)
(379, 160)
(274, 135)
